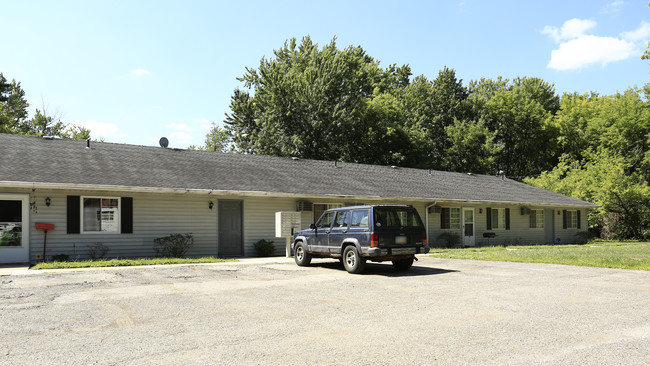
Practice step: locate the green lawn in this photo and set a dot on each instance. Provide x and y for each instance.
(607, 254)
(128, 262)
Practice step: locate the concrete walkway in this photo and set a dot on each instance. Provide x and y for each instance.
(13, 269)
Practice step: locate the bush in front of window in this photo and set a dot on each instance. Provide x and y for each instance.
(97, 251)
(173, 246)
(449, 239)
(60, 258)
(264, 248)
(583, 237)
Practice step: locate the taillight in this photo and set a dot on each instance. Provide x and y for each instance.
(374, 240)
(424, 238)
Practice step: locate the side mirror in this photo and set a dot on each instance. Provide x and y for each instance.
(312, 226)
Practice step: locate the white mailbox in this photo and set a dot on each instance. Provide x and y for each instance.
(286, 222)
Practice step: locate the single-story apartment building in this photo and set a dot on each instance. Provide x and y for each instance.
(124, 196)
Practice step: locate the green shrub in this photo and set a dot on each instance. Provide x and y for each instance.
(264, 248)
(60, 258)
(97, 251)
(173, 246)
(449, 239)
(583, 237)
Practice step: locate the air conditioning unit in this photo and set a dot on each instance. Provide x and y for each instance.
(525, 211)
(304, 206)
(435, 209)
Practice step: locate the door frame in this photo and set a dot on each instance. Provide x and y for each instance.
(18, 254)
(472, 241)
(241, 218)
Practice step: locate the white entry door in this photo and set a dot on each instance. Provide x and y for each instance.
(14, 228)
(468, 227)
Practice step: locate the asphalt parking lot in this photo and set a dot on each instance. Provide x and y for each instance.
(269, 311)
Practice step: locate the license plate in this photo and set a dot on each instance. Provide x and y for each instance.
(400, 240)
(403, 251)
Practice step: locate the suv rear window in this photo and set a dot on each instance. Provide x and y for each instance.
(397, 217)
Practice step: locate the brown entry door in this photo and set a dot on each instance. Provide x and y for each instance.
(230, 228)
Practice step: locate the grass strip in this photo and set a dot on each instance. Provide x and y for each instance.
(605, 254)
(128, 262)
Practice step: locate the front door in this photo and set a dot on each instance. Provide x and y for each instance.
(549, 226)
(230, 228)
(468, 227)
(14, 228)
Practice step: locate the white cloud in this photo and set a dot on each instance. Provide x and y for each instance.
(103, 130)
(180, 127)
(571, 29)
(588, 50)
(640, 34)
(577, 49)
(180, 138)
(139, 72)
(613, 7)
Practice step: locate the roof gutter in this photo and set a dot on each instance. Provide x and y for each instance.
(223, 192)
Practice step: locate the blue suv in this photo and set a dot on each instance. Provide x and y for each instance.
(359, 233)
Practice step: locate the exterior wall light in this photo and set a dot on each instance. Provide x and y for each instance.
(210, 205)
(48, 201)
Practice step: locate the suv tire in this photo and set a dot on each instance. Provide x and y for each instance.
(403, 264)
(352, 260)
(301, 256)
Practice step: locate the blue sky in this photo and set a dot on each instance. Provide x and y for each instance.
(133, 71)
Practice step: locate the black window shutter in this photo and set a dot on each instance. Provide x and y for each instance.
(578, 217)
(127, 215)
(507, 219)
(564, 225)
(73, 215)
(488, 213)
(444, 218)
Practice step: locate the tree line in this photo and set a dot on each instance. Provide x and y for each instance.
(14, 116)
(340, 104)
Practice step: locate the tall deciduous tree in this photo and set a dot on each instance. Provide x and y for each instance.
(318, 104)
(606, 159)
(520, 115)
(431, 107)
(13, 105)
(13, 116)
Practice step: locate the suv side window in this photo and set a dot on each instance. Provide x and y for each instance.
(359, 219)
(342, 219)
(325, 220)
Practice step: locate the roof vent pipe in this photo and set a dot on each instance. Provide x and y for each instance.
(88, 143)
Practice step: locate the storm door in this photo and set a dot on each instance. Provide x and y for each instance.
(468, 227)
(14, 228)
(230, 228)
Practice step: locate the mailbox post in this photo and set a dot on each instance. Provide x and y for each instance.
(45, 227)
(286, 222)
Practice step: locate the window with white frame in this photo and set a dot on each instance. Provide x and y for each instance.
(572, 219)
(498, 218)
(450, 218)
(100, 214)
(536, 219)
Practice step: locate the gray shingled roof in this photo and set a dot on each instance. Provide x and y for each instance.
(106, 165)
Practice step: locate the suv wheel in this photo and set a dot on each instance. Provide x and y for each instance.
(301, 256)
(403, 264)
(352, 261)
